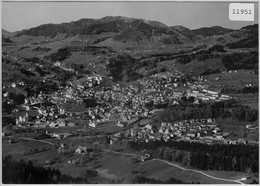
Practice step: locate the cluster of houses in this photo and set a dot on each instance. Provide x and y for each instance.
(120, 103)
(207, 95)
(89, 82)
(200, 130)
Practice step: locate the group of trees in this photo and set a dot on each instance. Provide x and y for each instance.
(244, 43)
(122, 67)
(237, 61)
(62, 75)
(145, 180)
(202, 156)
(90, 102)
(220, 110)
(217, 48)
(40, 71)
(26, 72)
(18, 98)
(21, 172)
(61, 54)
(251, 40)
(245, 90)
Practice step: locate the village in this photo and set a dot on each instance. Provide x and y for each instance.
(94, 100)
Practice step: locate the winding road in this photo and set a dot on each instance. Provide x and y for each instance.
(192, 170)
(177, 166)
(155, 159)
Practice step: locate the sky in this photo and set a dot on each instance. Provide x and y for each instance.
(24, 15)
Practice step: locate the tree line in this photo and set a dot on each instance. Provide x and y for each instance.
(219, 110)
(245, 90)
(237, 61)
(21, 172)
(145, 180)
(203, 156)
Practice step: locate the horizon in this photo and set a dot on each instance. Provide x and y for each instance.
(130, 18)
(17, 16)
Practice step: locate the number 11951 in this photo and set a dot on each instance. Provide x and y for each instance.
(241, 11)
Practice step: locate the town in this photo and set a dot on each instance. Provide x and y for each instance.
(123, 100)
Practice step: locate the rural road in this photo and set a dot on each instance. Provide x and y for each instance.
(31, 139)
(182, 168)
(213, 177)
(155, 159)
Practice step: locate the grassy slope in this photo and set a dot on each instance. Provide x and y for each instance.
(197, 67)
(160, 170)
(234, 80)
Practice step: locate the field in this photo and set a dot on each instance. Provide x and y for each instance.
(251, 100)
(237, 130)
(118, 165)
(196, 67)
(19, 147)
(234, 80)
(72, 107)
(110, 167)
(162, 171)
(42, 157)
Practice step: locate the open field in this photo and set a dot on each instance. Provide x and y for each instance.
(118, 165)
(109, 166)
(72, 107)
(251, 100)
(237, 130)
(42, 157)
(19, 147)
(196, 67)
(234, 80)
(163, 171)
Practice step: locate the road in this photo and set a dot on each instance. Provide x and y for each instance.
(177, 166)
(192, 170)
(155, 159)
(31, 139)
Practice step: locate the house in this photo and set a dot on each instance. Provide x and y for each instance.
(81, 150)
(52, 125)
(120, 124)
(92, 124)
(57, 135)
(13, 85)
(209, 120)
(192, 135)
(5, 94)
(71, 124)
(61, 122)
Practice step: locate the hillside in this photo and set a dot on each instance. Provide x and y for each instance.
(97, 26)
(205, 31)
(90, 43)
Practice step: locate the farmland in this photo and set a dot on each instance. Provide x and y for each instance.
(160, 170)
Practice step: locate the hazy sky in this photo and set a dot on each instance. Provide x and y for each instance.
(23, 15)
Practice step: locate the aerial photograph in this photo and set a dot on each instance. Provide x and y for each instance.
(130, 92)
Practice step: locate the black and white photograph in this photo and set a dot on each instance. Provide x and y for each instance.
(120, 92)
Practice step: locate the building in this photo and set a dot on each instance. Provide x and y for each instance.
(81, 150)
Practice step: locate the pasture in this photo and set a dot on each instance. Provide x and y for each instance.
(162, 171)
(16, 148)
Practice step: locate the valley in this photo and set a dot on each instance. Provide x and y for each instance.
(126, 100)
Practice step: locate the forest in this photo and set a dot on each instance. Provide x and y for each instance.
(237, 61)
(145, 180)
(21, 172)
(219, 110)
(224, 157)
